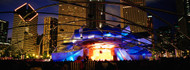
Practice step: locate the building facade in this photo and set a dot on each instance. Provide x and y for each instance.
(135, 15)
(183, 8)
(65, 32)
(3, 30)
(93, 13)
(24, 36)
(150, 25)
(183, 24)
(49, 35)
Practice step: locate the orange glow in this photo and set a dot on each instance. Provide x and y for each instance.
(21, 17)
(102, 54)
(34, 11)
(102, 45)
(102, 51)
(30, 7)
(20, 6)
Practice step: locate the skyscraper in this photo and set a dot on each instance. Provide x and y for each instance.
(134, 14)
(183, 8)
(49, 35)
(65, 32)
(24, 38)
(3, 30)
(93, 13)
(150, 25)
(183, 24)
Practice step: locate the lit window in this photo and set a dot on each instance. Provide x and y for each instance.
(101, 13)
(141, 4)
(100, 25)
(149, 16)
(127, 7)
(75, 7)
(188, 21)
(188, 14)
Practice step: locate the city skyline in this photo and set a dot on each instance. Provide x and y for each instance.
(95, 30)
(109, 8)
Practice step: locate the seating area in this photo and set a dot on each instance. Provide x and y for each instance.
(163, 63)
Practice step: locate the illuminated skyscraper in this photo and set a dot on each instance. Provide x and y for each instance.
(49, 35)
(134, 14)
(24, 38)
(65, 32)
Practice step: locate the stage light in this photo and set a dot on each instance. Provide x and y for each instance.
(91, 36)
(108, 35)
(102, 51)
(103, 45)
(102, 55)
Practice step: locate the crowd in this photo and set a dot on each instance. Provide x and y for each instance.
(163, 63)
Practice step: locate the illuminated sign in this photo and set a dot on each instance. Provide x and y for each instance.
(24, 11)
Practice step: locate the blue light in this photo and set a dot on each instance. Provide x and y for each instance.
(119, 55)
(143, 54)
(122, 54)
(69, 47)
(124, 34)
(69, 56)
(125, 54)
(144, 40)
(108, 35)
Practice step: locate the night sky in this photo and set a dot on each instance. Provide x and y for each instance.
(10, 5)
